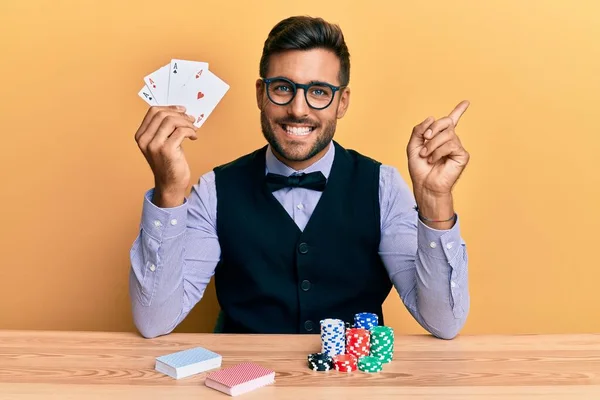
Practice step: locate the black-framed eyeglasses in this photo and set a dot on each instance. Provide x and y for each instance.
(318, 95)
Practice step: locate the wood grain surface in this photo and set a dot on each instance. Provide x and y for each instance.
(98, 365)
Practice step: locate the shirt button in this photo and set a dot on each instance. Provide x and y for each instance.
(432, 245)
(449, 245)
(152, 267)
(173, 221)
(303, 248)
(308, 325)
(157, 224)
(305, 285)
(300, 206)
(452, 283)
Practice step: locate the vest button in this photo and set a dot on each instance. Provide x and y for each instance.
(308, 325)
(303, 248)
(305, 285)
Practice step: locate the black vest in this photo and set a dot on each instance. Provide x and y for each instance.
(274, 278)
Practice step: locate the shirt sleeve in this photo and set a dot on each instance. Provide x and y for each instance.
(173, 258)
(427, 267)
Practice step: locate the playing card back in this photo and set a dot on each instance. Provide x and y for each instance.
(188, 362)
(240, 378)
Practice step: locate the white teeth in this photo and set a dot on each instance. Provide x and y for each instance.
(298, 131)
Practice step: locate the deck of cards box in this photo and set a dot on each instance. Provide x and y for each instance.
(185, 83)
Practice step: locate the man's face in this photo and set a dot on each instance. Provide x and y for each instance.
(299, 134)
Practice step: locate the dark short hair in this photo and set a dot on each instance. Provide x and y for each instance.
(306, 33)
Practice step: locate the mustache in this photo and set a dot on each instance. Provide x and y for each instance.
(299, 121)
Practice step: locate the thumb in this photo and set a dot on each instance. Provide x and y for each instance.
(417, 138)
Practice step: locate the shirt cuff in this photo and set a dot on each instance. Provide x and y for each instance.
(163, 223)
(442, 244)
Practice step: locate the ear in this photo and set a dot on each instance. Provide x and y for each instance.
(260, 93)
(344, 102)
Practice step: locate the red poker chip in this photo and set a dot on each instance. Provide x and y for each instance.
(345, 360)
(358, 342)
(347, 368)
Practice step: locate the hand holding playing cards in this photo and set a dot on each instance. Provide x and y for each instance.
(436, 158)
(159, 137)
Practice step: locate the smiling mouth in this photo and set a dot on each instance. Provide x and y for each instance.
(297, 130)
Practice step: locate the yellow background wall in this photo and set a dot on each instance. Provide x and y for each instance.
(72, 177)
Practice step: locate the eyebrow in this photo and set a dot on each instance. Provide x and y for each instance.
(318, 82)
(313, 82)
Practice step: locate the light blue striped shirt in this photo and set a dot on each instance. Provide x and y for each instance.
(174, 256)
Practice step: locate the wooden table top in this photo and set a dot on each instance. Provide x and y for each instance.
(99, 365)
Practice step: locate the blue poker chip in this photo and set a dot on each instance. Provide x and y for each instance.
(365, 320)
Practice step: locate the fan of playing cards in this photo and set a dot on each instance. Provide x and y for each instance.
(185, 83)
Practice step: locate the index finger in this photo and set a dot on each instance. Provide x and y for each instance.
(459, 111)
(150, 115)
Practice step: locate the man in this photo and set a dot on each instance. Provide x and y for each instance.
(301, 229)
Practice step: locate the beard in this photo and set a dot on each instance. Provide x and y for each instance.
(295, 151)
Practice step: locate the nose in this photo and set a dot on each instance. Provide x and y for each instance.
(298, 107)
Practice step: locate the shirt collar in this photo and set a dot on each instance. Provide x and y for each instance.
(324, 165)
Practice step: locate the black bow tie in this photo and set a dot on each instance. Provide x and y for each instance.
(313, 180)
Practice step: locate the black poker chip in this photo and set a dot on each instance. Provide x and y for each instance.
(320, 362)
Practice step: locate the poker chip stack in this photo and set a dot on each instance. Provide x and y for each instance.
(370, 364)
(333, 340)
(358, 342)
(382, 343)
(346, 347)
(345, 363)
(365, 320)
(320, 362)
